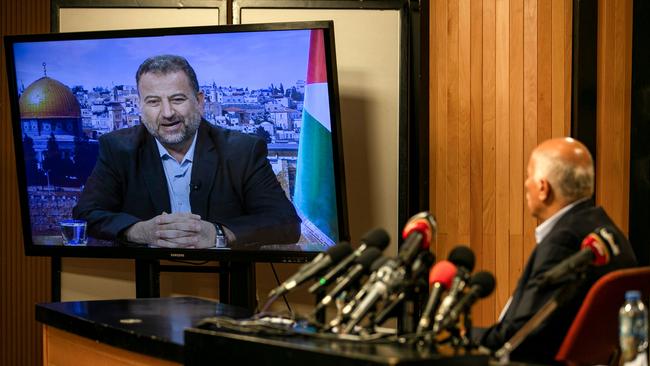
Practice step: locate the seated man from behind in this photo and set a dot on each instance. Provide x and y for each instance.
(177, 181)
(559, 187)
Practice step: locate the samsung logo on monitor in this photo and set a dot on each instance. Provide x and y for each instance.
(177, 255)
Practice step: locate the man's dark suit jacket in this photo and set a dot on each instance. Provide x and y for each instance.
(233, 185)
(563, 241)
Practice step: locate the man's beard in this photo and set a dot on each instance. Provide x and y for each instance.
(188, 128)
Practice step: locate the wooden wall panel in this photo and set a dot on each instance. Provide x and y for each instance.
(24, 281)
(502, 114)
(530, 111)
(464, 120)
(613, 108)
(487, 260)
(500, 84)
(516, 141)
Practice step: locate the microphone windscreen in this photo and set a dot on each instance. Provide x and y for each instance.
(443, 273)
(462, 256)
(423, 223)
(377, 238)
(484, 281)
(602, 244)
(368, 257)
(339, 251)
(378, 263)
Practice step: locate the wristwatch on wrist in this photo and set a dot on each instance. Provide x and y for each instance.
(220, 238)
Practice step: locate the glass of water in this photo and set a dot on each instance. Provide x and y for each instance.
(74, 232)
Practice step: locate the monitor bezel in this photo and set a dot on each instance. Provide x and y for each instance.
(32, 249)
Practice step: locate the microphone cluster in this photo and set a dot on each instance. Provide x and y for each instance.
(453, 291)
(366, 288)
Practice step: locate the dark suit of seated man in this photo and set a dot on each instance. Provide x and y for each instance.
(559, 185)
(176, 181)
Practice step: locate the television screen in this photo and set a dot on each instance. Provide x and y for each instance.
(204, 142)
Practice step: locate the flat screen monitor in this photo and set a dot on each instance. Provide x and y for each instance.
(226, 132)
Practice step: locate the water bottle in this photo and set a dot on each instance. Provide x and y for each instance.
(633, 330)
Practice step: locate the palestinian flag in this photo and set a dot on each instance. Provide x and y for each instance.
(315, 194)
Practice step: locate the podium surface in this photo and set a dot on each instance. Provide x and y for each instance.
(209, 347)
(162, 331)
(151, 327)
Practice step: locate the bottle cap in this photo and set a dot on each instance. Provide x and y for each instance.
(632, 295)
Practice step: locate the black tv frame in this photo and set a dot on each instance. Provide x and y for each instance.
(185, 254)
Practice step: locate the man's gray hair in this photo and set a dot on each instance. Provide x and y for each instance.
(165, 64)
(570, 180)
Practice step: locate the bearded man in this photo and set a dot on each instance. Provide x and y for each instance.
(176, 181)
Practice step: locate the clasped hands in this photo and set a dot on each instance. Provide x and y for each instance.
(175, 230)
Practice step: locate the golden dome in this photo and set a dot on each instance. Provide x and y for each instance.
(48, 98)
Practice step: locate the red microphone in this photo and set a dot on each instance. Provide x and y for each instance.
(423, 223)
(417, 234)
(442, 273)
(602, 244)
(440, 278)
(596, 249)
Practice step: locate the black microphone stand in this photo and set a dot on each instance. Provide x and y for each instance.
(467, 335)
(389, 310)
(319, 316)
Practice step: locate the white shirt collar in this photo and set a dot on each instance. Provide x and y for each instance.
(545, 227)
(189, 156)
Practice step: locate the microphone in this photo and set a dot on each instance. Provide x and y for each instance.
(322, 261)
(464, 259)
(417, 234)
(374, 268)
(597, 248)
(377, 238)
(362, 266)
(388, 277)
(195, 186)
(480, 285)
(420, 267)
(440, 278)
(347, 309)
(378, 263)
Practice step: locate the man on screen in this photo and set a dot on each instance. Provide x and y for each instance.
(176, 181)
(559, 186)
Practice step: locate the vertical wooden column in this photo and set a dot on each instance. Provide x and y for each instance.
(614, 74)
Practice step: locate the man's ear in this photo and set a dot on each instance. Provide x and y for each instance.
(544, 189)
(200, 97)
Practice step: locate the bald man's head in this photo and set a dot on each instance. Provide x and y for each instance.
(567, 165)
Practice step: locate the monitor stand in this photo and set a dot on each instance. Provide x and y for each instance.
(236, 280)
